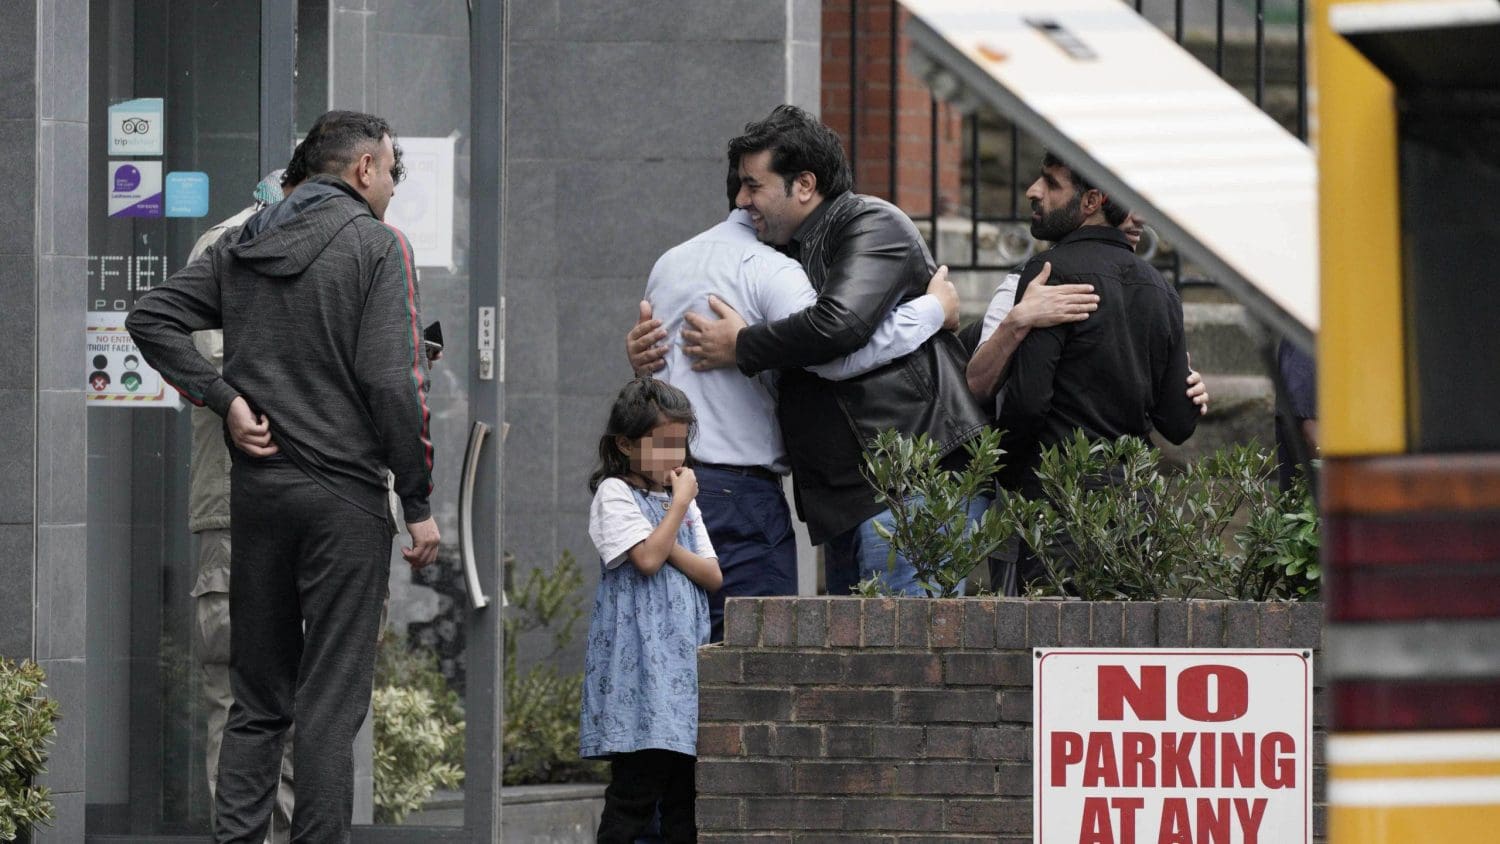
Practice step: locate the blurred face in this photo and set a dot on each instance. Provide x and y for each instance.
(1132, 228)
(1056, 204)
(775, 210)
(655, 455)
(375, 177)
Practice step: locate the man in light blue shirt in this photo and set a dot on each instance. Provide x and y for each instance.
(739, 448)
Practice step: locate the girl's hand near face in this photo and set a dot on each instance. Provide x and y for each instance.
(684, 486)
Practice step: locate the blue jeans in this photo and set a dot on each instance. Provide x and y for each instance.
(860, 553)
(750, 527)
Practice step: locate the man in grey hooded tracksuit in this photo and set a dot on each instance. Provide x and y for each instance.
(323, 389)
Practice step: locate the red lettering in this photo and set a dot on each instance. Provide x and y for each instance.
(1213, 820)
(1148, 699)
(1136, 755)
(1207, 750)
(1176, 766)
(1278, 771)
(1096, 825)
(1127, 807)
(1231, 698)
(1101, 769)
(1251, 813)
(1067, 749)
(1175, 826)
(1237, 761)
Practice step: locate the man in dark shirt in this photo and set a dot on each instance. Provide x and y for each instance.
(863, 257)
(1118, 372)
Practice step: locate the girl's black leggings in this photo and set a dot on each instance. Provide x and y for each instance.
(638, 781)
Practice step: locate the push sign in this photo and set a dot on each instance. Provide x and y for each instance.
(135, 127)
(1172, 746)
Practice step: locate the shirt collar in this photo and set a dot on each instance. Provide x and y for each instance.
(1107, 234)
(794, 247)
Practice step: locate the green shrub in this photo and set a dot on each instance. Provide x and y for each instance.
(929, 508)
(27, 724)
(1134, 532)
(419, 729)
(541, 703)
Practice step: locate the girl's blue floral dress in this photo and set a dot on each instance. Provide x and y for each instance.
(640, 685)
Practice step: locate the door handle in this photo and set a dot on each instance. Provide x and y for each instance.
(477, 598)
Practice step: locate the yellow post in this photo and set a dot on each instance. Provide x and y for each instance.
(1361, 345)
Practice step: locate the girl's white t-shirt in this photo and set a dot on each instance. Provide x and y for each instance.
(616, 523)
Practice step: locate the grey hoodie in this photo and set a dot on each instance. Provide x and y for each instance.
(318, 303)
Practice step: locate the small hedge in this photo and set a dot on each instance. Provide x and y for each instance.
(27, 724)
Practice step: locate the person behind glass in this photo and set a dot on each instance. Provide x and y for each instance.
(640, 693)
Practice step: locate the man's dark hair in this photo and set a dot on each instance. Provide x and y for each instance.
(296, 168)
(1081, 184)
(732, 184)
(337, 138)
(799, 143)
(1115, 212)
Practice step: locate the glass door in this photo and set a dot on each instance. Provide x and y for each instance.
(189, 103)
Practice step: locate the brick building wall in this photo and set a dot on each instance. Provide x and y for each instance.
(905, 719)
(869, 148)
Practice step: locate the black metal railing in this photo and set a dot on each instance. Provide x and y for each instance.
(1225, 52)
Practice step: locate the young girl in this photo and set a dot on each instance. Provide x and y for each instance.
(640, 694)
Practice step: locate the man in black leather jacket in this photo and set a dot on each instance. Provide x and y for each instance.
(864, 257)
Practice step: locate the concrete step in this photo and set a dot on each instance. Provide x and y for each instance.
(1241, 410)
(1223, 339)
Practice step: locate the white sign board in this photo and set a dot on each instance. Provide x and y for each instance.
(423, 205)
(135, 127)
(1159, 746)
(117, 374)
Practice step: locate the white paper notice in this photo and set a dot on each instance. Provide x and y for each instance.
(423, 205)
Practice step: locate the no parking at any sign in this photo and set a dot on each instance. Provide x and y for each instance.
(1172, 746)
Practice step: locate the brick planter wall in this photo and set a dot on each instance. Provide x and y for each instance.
(848, 719)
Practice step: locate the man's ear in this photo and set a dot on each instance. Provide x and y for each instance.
(805, 186)
(362, 167)
(1093, 200)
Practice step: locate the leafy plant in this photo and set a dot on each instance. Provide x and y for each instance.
(27, 723)
(1114, 526)
(411, 739)
(419, 729)
(930, 523)
(542, 703)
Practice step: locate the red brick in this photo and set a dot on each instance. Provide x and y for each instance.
(945, 778)
(780, 668)
(799, 813)
(778, 627)
(878, 622)
(722, 778)
(812, 622)
(1013, 780)
(979, 623)
(1206, 624)
(925, 706)
(795, 740)
(1016, 707)
(843, 622)
(913, 621)
(846, 742)
(718, 664)
(897, 742)
(1172, 624)
(719, 740)
(1007, 743)
(1010, 623)
(1307, 626)
(895, 814)
(892, 669)
(740, 704)
(716, 813)
(1140, 624)
(1241, 624)
(1275, 626)
(1073, 624)
(842, 777)
(1109, 624)
(843, 705)
(947, 623)
(992, 816)
(741, 622)
(744, 838)
(756, 739)
(949, 743)
(995, 668)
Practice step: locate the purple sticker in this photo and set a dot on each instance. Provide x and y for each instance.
(127, 178)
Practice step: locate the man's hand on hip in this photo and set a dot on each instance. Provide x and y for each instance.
(947, 296)
(643, 345)
(250, 433)
(711, 342)
(424, 543)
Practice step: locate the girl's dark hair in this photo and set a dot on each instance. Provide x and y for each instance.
(639, 407)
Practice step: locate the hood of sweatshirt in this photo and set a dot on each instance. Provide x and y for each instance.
(282, 240)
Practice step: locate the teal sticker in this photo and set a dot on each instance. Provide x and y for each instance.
(187, 194)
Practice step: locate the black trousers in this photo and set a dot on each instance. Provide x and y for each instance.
(307, 583)
(637, 781)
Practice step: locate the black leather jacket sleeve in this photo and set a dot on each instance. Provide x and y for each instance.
(867, 277)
